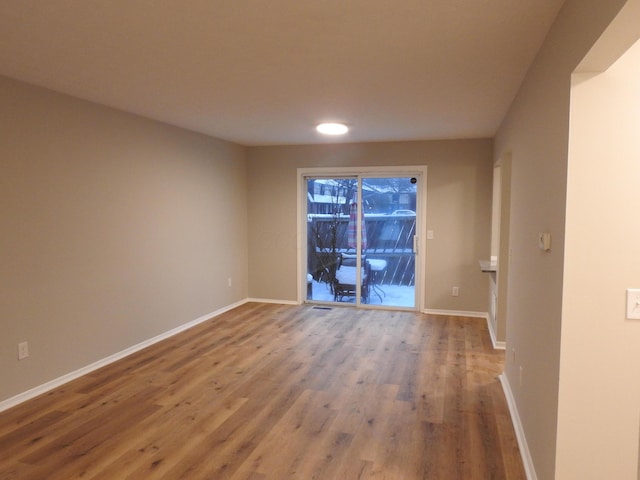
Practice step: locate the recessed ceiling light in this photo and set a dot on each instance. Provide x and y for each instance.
(332, 128)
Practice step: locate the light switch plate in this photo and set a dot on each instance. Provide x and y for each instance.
(633, 303)
(544, 241)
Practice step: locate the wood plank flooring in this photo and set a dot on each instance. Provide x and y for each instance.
(280, 392)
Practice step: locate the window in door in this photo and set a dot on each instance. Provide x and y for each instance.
(361, 239)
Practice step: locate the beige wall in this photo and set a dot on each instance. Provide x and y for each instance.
(535, 133)
(459, 177)
(114, 229)
(599, 402)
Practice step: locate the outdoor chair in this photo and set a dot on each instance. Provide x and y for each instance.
(344, 285)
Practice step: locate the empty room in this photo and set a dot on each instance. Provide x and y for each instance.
(330, 240)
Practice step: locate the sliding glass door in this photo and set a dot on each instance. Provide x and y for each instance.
(361, 239)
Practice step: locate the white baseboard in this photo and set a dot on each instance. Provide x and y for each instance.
(517, 425)
(39, 390)
(268, 300)
(497, 345)
(455, 313)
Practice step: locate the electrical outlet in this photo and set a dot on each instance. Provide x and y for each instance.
(23, 350)
(455, 291)
(229, 281)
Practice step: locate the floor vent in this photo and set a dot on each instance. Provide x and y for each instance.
(322, 308)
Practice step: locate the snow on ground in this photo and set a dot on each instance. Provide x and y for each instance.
(387, 295)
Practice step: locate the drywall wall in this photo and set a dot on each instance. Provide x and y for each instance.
(599, 401)
(459, 179)
(114, 229)
(535, 133)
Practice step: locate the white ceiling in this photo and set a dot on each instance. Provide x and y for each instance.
(261, 72)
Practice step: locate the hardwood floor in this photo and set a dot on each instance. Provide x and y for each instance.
(280, 392)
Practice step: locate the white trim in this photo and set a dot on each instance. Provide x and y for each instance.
(497, 345)
(270, 300)
(45, 387)
(454, 313)
(527, 461)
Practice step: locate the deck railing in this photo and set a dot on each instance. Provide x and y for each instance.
(389, 237)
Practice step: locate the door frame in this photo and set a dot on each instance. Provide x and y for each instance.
(392, 171)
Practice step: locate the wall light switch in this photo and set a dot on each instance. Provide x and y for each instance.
(633, 303)
(544, 241)
(429, 234)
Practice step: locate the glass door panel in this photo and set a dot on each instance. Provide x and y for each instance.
(390, 205)
(360, 240)
(332, 241)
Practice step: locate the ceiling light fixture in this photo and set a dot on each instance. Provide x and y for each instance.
(332, 128)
